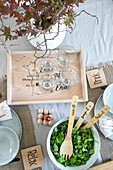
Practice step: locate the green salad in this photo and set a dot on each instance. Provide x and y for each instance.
(83, 144)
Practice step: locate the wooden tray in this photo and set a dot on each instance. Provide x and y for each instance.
(20, 90)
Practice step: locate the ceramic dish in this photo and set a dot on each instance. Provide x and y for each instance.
(9, 145)
(14, 124)
(108, 97)
(98, 106)
(91, 160)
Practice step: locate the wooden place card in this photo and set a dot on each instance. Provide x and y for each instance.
(32, 157)
(96, 78)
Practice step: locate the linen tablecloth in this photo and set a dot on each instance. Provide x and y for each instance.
(97, 42)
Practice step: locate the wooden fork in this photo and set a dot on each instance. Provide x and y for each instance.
(66, 148)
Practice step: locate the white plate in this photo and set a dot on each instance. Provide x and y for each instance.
(108, 97)
(51, 44)
(9, 145)
(14, 124)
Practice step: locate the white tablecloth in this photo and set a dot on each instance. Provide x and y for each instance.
(97, 42)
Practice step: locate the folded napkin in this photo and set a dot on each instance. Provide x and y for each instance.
(5, 113)
(106, 126)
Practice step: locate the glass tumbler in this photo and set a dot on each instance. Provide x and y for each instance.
(69, 76)
(48, 60)
(47, 80)
(66, 55)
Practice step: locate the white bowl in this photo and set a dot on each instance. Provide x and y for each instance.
(108, 97)
(91, 160)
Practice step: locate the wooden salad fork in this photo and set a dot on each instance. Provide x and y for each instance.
(66, 148)
(84, 114)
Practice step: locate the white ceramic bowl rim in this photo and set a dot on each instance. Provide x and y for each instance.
(91, 160)
(106, 94)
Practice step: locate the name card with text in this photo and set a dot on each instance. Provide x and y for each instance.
(32, 157)
(96, 78)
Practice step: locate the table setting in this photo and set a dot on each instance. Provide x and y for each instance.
(56, 85)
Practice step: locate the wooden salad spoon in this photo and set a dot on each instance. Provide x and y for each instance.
(102, 112)
(84, 114)
(66, 148)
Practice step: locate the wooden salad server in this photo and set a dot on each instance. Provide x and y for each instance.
(84, 114)
(102, 112)
(66, 148)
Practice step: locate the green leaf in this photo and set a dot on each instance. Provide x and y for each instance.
(91, 151)
(67, 22)
(83, 162)
(57, 5)
(52, 1)
(72, 161)
(61, 159)
(55, 129)
(79, 138)
(55, 147)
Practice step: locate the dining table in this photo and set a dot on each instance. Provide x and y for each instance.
(97, 42)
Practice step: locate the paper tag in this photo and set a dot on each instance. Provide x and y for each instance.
(32, 157)
(96, 78)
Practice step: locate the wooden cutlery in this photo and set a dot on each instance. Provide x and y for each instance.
(84, 114)
(66, 148)
(103, 111)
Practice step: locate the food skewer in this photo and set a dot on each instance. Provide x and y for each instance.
(84, 114)
(102, 112)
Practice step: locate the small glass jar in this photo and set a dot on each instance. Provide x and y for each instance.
(69, 76)
(66, 55)
(47, 80)
(48, 60)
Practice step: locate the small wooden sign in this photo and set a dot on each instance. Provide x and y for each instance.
(96, 78)
(32, 157)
